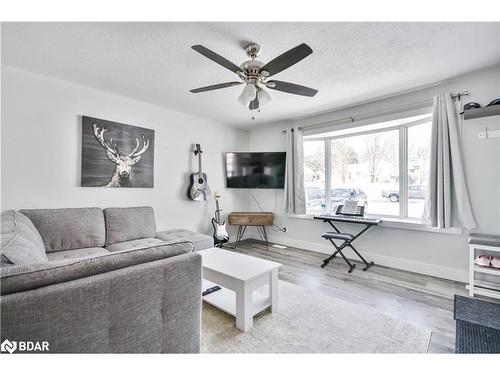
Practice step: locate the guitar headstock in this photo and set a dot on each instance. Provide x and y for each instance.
(198, 149)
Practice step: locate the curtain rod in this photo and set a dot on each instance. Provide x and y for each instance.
(457, 96)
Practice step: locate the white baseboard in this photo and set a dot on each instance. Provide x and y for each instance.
(454, 274)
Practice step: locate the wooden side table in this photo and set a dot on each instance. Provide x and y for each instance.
(251, 219)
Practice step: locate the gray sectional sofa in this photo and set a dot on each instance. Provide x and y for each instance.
(88, 280)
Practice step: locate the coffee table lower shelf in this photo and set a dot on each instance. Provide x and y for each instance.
(225, 299)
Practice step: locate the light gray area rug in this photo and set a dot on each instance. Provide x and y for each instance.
(312, 322)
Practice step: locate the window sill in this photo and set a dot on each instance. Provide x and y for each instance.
(396, 223)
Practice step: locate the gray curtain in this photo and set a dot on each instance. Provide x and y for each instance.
(294, 179)
(447, 203)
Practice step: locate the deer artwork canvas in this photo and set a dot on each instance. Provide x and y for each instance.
(116, 155)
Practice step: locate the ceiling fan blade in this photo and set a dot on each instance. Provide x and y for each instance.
(215, 87)
(287, 59)
(254, 104)
(216, 58)
(292, 88)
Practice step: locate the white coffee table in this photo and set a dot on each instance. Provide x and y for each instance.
(239, 276)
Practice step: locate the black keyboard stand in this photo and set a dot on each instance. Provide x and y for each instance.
(347, 238)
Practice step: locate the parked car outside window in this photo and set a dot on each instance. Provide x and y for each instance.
(339, 195)
(414, 192)
(315, 197)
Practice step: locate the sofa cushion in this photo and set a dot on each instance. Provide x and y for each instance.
(129, 223)
(26, 277)
(200, 241)
(21, 243)
(152, 243)
(77, 253)
(69, 228)
(141, 243)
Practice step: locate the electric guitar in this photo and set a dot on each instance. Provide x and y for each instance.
(220, 232)
(198, 189)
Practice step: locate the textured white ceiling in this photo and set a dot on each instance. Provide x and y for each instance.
(153, 62)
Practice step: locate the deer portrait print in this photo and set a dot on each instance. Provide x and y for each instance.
(116, 155)
(121, 177)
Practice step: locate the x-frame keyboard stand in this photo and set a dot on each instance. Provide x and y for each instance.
(347, 238)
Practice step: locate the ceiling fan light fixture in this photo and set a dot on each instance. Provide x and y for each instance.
(264, 97)
(248, 94)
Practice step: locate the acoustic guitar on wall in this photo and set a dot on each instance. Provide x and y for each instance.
(198, 189)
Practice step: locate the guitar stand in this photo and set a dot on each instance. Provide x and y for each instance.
(224, 246)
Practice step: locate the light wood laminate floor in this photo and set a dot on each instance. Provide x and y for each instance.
(422, 300)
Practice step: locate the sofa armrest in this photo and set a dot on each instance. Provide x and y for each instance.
(25, 277)
(153, 307)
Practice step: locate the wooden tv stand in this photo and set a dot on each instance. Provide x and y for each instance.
(251, 219)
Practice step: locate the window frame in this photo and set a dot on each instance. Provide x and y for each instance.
(403, 160)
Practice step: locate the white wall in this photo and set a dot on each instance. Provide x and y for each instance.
(41, 151)
(437, 254)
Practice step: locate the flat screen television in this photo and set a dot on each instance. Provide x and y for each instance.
(255, 170)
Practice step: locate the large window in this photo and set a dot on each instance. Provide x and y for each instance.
(383, 166)
(314, 175)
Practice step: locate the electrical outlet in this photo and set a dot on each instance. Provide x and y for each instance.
(285, 229)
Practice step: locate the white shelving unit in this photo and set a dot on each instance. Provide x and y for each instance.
(481, 287)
